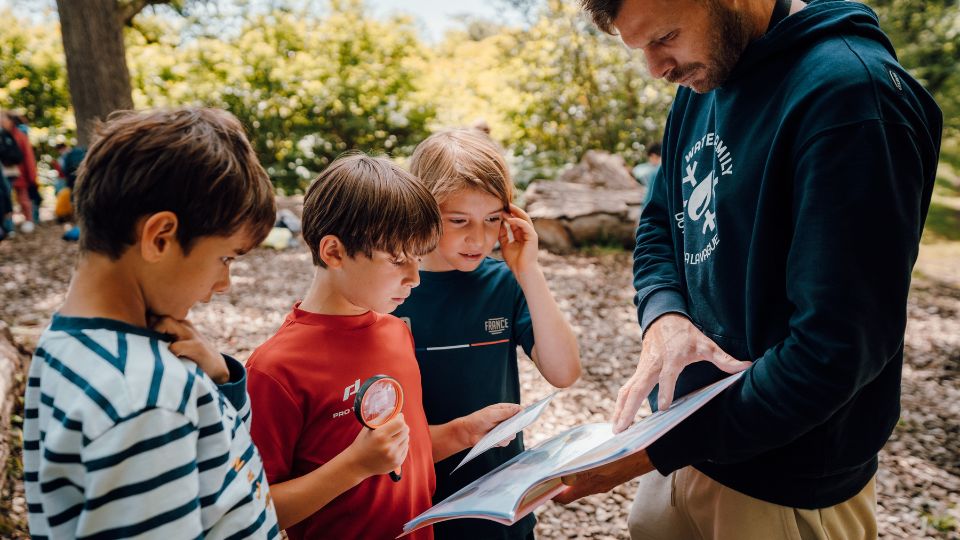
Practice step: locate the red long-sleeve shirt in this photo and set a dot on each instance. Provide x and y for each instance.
(28, 167)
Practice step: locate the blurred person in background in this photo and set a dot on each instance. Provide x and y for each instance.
(34, 188)
(24, 174)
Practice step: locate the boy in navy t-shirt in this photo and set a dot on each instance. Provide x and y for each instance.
(470, 311)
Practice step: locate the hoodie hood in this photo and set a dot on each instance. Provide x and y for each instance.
(819, 20)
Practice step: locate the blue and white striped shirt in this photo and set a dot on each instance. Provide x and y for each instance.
(123, 439)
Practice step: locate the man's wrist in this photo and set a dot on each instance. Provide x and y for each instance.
(659, 304)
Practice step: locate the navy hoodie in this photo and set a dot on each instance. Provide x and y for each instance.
(785, 225)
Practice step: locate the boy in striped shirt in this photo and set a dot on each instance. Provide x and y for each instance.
(134, 425)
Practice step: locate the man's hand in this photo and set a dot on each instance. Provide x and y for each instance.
(604, 478)
(190, 344)
(670, 344)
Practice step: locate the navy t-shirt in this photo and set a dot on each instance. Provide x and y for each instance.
(466, 328)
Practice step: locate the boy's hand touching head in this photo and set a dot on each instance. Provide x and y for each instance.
(381, 450)
(520, 254)
(190, 344)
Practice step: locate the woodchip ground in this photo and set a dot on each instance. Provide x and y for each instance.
(919, 480)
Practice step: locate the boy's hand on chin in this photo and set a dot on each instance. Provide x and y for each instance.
(521, 254)
(190, 344)
(478, 424)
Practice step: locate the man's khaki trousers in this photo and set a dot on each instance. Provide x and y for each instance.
(688, 505)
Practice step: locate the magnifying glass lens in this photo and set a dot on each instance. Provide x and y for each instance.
(379, 403)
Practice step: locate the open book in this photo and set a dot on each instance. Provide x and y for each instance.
(522, 484)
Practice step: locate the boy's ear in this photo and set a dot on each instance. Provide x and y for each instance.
(331, 251)
(157, 234)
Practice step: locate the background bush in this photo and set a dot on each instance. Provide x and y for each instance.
(311, 84)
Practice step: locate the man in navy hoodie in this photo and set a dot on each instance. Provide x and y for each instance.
(798, 163)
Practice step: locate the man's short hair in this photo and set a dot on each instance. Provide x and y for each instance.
(603, 13)
(655, 149)
(194, 162)
(370, 204)
(456, 159)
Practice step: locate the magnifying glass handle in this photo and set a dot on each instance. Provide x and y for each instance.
(395, 474)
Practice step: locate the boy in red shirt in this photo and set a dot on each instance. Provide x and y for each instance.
(367, 222)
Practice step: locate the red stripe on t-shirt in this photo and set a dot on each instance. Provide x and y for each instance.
(489, 343)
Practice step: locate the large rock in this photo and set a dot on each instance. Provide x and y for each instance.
(595, 202)
(602, 170)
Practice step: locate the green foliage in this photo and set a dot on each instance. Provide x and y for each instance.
(307, 88)
(33, 77)
(943, 218)
(311, 80)
(926, 35)
(941, 523)
(943, 222)
(578, 90)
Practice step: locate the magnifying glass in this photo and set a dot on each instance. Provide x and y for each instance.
(378, 401)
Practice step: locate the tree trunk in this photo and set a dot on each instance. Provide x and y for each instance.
(92, 33)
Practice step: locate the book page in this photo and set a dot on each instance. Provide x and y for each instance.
(497, 494)
(647, 430)
(507, 429)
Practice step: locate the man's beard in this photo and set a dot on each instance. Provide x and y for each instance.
(730, 35)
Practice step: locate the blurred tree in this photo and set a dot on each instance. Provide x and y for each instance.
(93, 44)
(467, 81)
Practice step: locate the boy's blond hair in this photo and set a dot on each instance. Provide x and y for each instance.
(457, 159)
(370, 204)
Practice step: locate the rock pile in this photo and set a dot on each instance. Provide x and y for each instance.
(595, 202)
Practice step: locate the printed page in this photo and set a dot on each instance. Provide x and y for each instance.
(507, 429)
(649, 429)
(496, 495)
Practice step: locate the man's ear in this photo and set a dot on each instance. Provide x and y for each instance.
(157, 235)
(331, 251)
